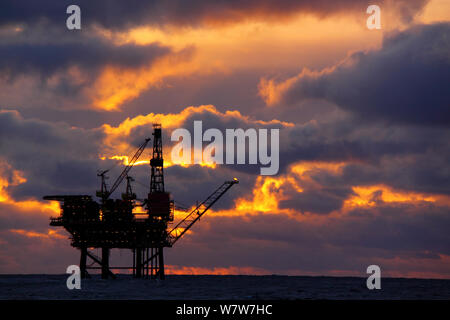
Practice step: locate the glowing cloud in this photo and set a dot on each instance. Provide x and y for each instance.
(30, 206)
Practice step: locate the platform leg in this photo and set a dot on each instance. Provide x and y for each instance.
(105, 263)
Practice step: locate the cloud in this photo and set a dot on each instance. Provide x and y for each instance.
(49, 155)
(117, 14)
(88, 54)
(82, 70)
(404, 82)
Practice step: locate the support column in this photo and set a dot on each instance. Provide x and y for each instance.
(152, 264)
(161, 263)
(105, 263)
(138, 262)
(83, 259)
(146, 259)
(134, 262)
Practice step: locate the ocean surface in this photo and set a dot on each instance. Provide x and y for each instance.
(220, 287)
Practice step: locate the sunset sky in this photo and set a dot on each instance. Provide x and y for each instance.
(364, 119)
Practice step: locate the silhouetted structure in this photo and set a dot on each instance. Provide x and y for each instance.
(112, 223)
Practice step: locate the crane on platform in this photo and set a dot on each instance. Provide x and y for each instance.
(104, 194)
(185, 224)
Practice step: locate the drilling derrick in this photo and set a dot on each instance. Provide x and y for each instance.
(160, 213)
(157, 161)
(112, 224)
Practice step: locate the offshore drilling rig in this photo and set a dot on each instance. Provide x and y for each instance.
(112, 223)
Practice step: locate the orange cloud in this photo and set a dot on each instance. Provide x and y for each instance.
(116, 86)
(272, 92)
(301, 169)
(116, 148)
(30, 206)
(370, 196)
(266, 196)
(269, 191)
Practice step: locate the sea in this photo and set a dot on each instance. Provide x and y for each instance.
(220, 287)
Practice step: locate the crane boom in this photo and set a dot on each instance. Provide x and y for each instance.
(198, 212)
(127, 168)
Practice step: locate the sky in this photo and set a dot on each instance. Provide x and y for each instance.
(364, 120)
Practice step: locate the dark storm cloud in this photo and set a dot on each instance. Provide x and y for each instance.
(406, 81)
(347, 138)
(120, 14)
(322, 201)
(54, 157)
(57, 69)
(88, 53)
(421, 173)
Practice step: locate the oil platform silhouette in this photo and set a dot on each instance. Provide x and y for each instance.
(112, 223)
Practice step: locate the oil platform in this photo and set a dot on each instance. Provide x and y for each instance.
(112, 223)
